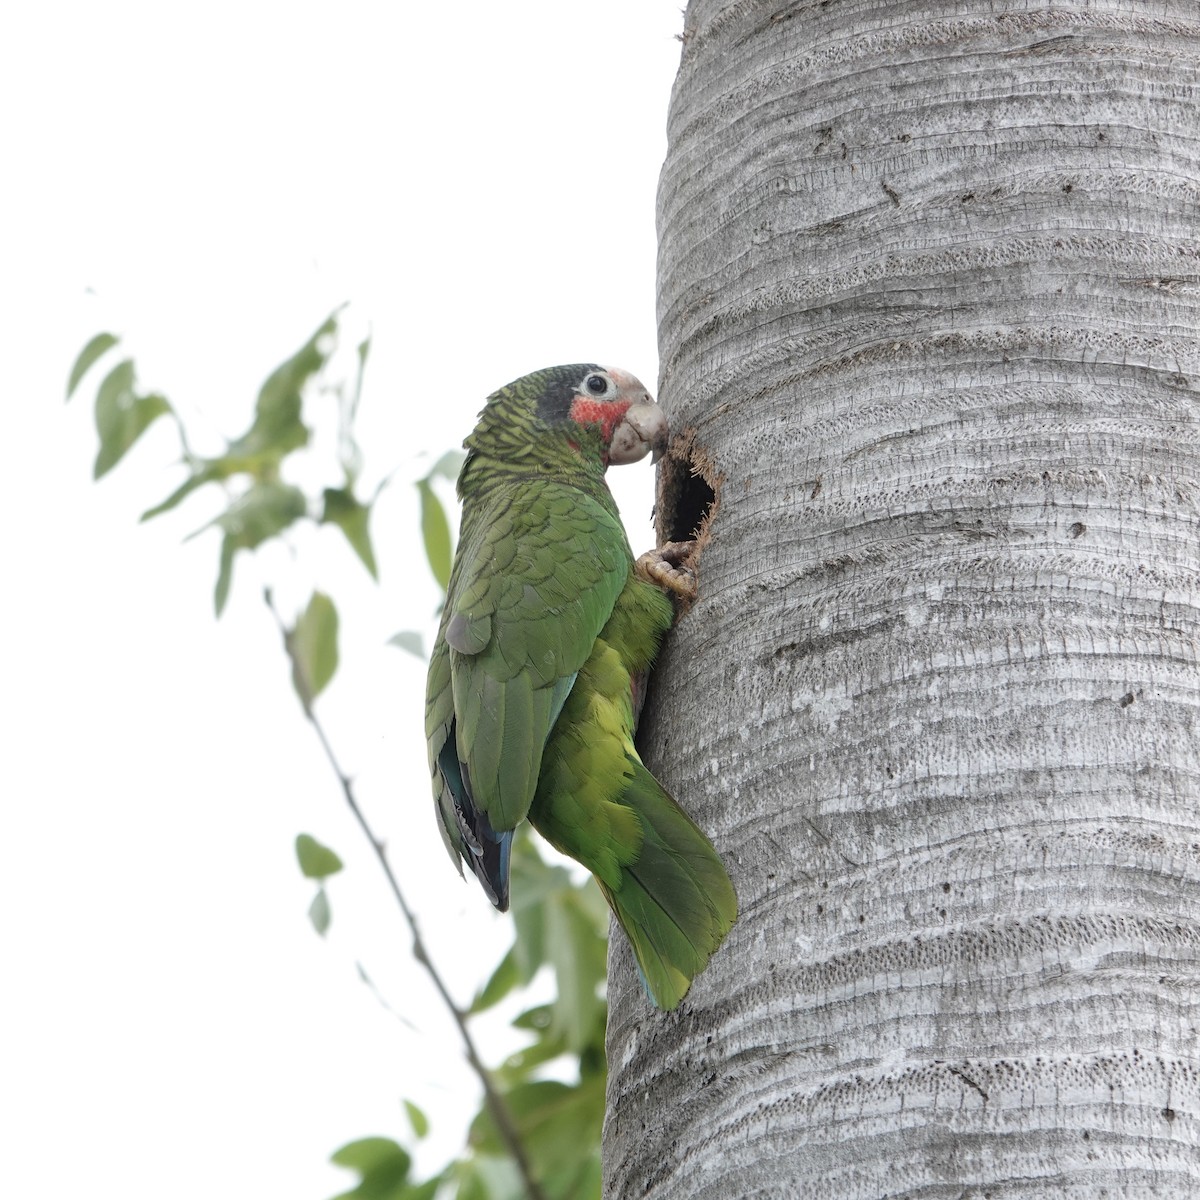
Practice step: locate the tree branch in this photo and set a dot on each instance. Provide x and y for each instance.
(494, 1100)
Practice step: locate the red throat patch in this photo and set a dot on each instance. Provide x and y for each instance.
(607, 414)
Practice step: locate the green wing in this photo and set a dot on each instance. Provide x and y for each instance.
(538, 570)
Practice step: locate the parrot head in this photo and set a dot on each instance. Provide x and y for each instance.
(564, 415)
(615, 403)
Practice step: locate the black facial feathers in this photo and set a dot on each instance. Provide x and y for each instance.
(554, 403)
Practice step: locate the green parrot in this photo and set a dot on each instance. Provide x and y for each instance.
(537, 675)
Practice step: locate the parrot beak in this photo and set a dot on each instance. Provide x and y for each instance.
(642, 430)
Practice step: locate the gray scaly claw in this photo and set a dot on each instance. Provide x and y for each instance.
(668, 569)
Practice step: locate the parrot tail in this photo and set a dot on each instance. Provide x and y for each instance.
(674, 900)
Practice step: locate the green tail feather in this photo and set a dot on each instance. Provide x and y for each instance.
(674, 899)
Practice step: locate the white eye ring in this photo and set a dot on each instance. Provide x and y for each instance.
(590, 381)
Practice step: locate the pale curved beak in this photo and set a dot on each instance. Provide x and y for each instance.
(643, 430)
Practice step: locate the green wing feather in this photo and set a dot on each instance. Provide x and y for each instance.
(538, 570)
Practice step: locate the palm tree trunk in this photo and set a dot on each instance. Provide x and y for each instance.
(929, 291)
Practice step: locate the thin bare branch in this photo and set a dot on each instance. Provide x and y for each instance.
(494, 1100)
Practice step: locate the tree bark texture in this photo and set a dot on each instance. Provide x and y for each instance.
(929, 289)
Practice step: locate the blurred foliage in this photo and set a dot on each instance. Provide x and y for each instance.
(317, 862)
(312, 647)
(554, 1085)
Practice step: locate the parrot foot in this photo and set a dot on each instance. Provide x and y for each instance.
(667, 569)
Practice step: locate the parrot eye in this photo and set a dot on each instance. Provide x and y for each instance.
(596, 384)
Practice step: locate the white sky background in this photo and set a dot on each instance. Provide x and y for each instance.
(210, 182)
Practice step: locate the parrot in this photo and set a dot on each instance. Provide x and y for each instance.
(538, 671)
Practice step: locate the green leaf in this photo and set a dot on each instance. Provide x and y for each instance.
(489, 1177)
(504, 978)
(417, 1119)
(316, 860)
(276, 431)
(278, 428)
(529, 948)
(319, 912)
(580, 1180)
(539, 1019)
(145, 411)
(122, 416)
(348, 451)
(534, 883)
(435, 531)
(592, 902)
(471, 1185)
(410, 640)
(98, 346)
(533, 877)
(518, 1067)
(263, 511)
(382, 1165)
(352, 517)
(117, 383)
(363, 350)
(549, 1044)
(554, 1120)
(366, 1154)
(564, 1119)
(428, 1190)
(579, 957)
(185, 489)
(448, 466)
(224, 574)
(312, 647)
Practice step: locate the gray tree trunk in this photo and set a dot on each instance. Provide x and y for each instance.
(928, 317)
